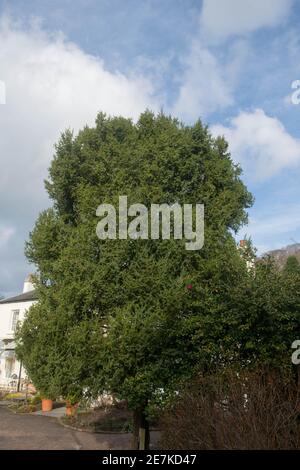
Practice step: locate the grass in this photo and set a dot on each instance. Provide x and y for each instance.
(14, 396)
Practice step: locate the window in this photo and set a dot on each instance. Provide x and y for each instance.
(14, 319)
(9, 367)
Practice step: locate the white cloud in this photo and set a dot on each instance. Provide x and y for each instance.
(222, 18)
(5, 234)
(260, 143)
(51, 84)
(283, 222)
(210, 77)
(204, 86)
(274, 226)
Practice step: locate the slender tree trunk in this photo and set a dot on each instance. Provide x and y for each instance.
(141, 432)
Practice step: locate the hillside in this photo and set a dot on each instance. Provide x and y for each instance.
(282, 254)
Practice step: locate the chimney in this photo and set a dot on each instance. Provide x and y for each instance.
(28, 286)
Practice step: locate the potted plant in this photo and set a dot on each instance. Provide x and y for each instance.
(47, 397)
(47, 404)
(72, 404)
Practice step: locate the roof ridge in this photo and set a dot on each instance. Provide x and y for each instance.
(25, 296)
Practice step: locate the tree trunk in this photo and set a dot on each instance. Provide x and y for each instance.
(140, 433)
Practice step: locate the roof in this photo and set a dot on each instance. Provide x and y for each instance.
(27, 296)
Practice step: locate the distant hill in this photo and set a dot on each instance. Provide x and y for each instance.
(282, 254)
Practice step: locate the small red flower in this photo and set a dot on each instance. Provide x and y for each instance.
(189, 287)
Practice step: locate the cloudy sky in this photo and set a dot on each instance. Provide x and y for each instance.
(231, 63)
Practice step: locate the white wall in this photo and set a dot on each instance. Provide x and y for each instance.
(6, 314)
(6, 332)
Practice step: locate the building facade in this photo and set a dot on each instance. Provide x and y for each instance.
(12, 311)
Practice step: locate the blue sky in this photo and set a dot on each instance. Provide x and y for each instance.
(229, 62)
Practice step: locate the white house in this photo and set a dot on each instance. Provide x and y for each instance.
(12, 311)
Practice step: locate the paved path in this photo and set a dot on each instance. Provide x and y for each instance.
(39, 432)
(58, 412)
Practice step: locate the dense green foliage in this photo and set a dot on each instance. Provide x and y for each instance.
(116, 315)
(292, 265)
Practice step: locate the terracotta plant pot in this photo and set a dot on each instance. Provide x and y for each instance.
(71, 410)
(47, 404)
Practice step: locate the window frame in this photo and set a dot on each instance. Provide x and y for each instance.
(15, 318)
